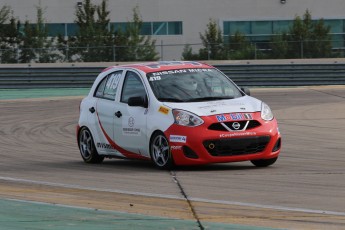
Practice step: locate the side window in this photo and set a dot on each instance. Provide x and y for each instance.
(132, 87)
(108, 86)
(111, 85)
(100, 88)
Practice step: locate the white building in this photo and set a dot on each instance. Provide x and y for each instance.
(174, 23)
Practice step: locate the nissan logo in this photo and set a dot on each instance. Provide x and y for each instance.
(236, 125)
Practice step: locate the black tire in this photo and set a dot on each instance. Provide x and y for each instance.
(264, 162)
(87, 147)
(160, 151)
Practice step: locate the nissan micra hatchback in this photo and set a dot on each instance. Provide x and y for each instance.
(174, 113)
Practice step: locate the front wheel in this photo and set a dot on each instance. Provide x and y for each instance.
(264, 162)
(160, 151)
(87, 147)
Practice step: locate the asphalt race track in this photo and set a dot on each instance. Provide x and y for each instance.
(305, 189)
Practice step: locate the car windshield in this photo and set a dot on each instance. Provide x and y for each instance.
(191, 85)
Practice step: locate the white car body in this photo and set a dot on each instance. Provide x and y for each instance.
(109, 127)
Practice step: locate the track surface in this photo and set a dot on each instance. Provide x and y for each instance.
(305, 189)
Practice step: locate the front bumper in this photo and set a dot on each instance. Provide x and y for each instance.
(203, 145)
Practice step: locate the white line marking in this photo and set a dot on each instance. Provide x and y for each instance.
(275, 207)
(90, 188)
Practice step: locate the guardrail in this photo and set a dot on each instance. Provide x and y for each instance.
(243, 74)
(286, 74)
(48, 77)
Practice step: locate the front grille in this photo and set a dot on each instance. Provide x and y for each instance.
(242, 124)
(236, 146)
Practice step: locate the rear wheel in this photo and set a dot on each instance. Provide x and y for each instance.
(264, 162)
(87, 147)
(160, 151)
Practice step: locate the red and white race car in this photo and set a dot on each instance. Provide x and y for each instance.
(174, 113)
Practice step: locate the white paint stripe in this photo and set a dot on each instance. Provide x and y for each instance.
(90, 188)
(275, 207)
(254, 205)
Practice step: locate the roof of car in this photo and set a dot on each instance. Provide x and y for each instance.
(163, 65)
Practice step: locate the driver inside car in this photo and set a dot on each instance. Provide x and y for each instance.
(188, 86)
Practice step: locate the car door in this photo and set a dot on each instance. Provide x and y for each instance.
(130, 122)
(105, 110)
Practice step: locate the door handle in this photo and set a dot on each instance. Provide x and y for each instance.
(92, 110)
(118, 114)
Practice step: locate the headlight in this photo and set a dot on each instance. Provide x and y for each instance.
(266, 112)
(185, 118)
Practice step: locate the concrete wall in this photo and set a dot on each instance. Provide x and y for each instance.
(195, 14)
(193, 11)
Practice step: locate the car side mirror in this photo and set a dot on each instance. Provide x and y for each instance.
(138, 101)
(246, 90)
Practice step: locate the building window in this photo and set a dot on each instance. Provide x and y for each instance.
(154, 28)
(160, 28)
(72, 29)
(55, 29)
(263, 31)
(148, 28)
(174, 28)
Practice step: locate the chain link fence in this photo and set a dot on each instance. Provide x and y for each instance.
(231, 51)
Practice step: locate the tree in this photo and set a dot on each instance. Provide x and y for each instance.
(43, 43)
(212, 41)
(240, 48)
(321, 38)
(27, 44)
(188, 54)
(309, 39)
(35, 44)
(133, 46)
(4, 14)
(279, 46)
(8, 36)
(94, 39)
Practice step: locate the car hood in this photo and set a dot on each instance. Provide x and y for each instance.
(244, 104)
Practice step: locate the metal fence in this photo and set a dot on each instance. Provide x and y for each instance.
(251, 50)
(245, 74)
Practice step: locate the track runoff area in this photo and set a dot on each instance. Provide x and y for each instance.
(44, 184)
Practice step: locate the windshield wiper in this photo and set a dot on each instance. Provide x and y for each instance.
(209, 98)
(169, 99)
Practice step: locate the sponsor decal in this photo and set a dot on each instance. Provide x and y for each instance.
(163, 110)
(177, 138)
(226, 135)
(131, 121)
(248, 116)
(174, 147)
(156, 75)
(113, 81)
(130, 127)
(104, 146)
(221, 118)
(216, 104)
(157, 65)
(156, 78)
(234, 117)
(131, 131)
(118, 148)
(199, 70)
